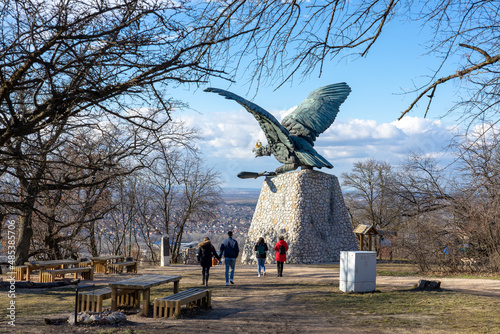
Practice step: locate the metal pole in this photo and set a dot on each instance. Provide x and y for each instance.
(130, 240)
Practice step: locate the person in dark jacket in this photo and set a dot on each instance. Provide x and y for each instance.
(261, 253)
(281, 248)
(205, 253)
(229, 248)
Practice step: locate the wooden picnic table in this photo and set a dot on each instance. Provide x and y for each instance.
(142, 283)
(101, 263)
(48, 264)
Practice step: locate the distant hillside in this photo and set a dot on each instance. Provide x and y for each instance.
(245, 196)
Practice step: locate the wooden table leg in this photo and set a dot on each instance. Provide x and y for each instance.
(28, 272)
(176, 287)
(145, 302)
(114, 303)
(137, 296)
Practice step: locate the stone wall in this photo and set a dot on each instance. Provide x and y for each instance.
(308, 209)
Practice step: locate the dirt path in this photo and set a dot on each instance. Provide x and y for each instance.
(256, 305)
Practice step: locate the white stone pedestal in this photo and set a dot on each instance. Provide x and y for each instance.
(308, 209)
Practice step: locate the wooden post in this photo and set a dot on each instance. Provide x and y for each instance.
(28, 272)
(114, 301)
(145, 302)
(176, 286)
(177, 308)
(209, 298)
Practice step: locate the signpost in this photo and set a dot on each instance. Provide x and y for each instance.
(165, 252)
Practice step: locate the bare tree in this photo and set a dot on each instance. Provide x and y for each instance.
(118, 230)
(307, 34)
(371, 200)
(73, 56)
(463, 31)
(450, 217)
(67, 64)
(421, 185)
(110, 233)
(58, 161)
(161, 200)
(423, 239)
(426, 233)
(146, 219)
(200, 191)
(477, 213)
(370, 181)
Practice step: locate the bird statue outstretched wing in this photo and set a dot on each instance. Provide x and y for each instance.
(292, 141)
(317, 112)
(274, 131)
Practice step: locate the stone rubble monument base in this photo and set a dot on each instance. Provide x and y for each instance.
(308, 209)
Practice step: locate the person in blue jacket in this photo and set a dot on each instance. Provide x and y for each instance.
(229, 248)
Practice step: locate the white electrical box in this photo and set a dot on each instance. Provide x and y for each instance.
(358, 271)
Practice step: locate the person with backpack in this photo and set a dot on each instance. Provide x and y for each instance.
(281, 248)
(205, 252)
(260, 250)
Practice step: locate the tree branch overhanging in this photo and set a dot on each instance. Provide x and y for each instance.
(459, 74)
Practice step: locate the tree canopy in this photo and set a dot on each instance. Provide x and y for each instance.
(92, 77)
(66, 57)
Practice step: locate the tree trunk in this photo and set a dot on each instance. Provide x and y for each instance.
(25, 235)
(92, 241)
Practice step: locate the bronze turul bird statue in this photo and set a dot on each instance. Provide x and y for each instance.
(292, 141)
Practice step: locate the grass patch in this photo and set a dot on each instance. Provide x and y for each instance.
(436, 311)
(464, 276)
(42, 302)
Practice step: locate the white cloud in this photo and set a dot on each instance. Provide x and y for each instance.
(284, 113)
(227, 134)
(229, 138)
(415, 125)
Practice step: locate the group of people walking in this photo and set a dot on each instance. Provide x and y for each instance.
(261, 250)
(230, 250)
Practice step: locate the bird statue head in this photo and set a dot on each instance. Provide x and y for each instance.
(261, 151)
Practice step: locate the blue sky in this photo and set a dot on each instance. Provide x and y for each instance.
(366, 126)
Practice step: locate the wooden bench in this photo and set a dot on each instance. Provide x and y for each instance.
(20, 272)
(92, 300)
(100, 267)
(115, 268)
(171, 305)
(84, 264)
(49, 275)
